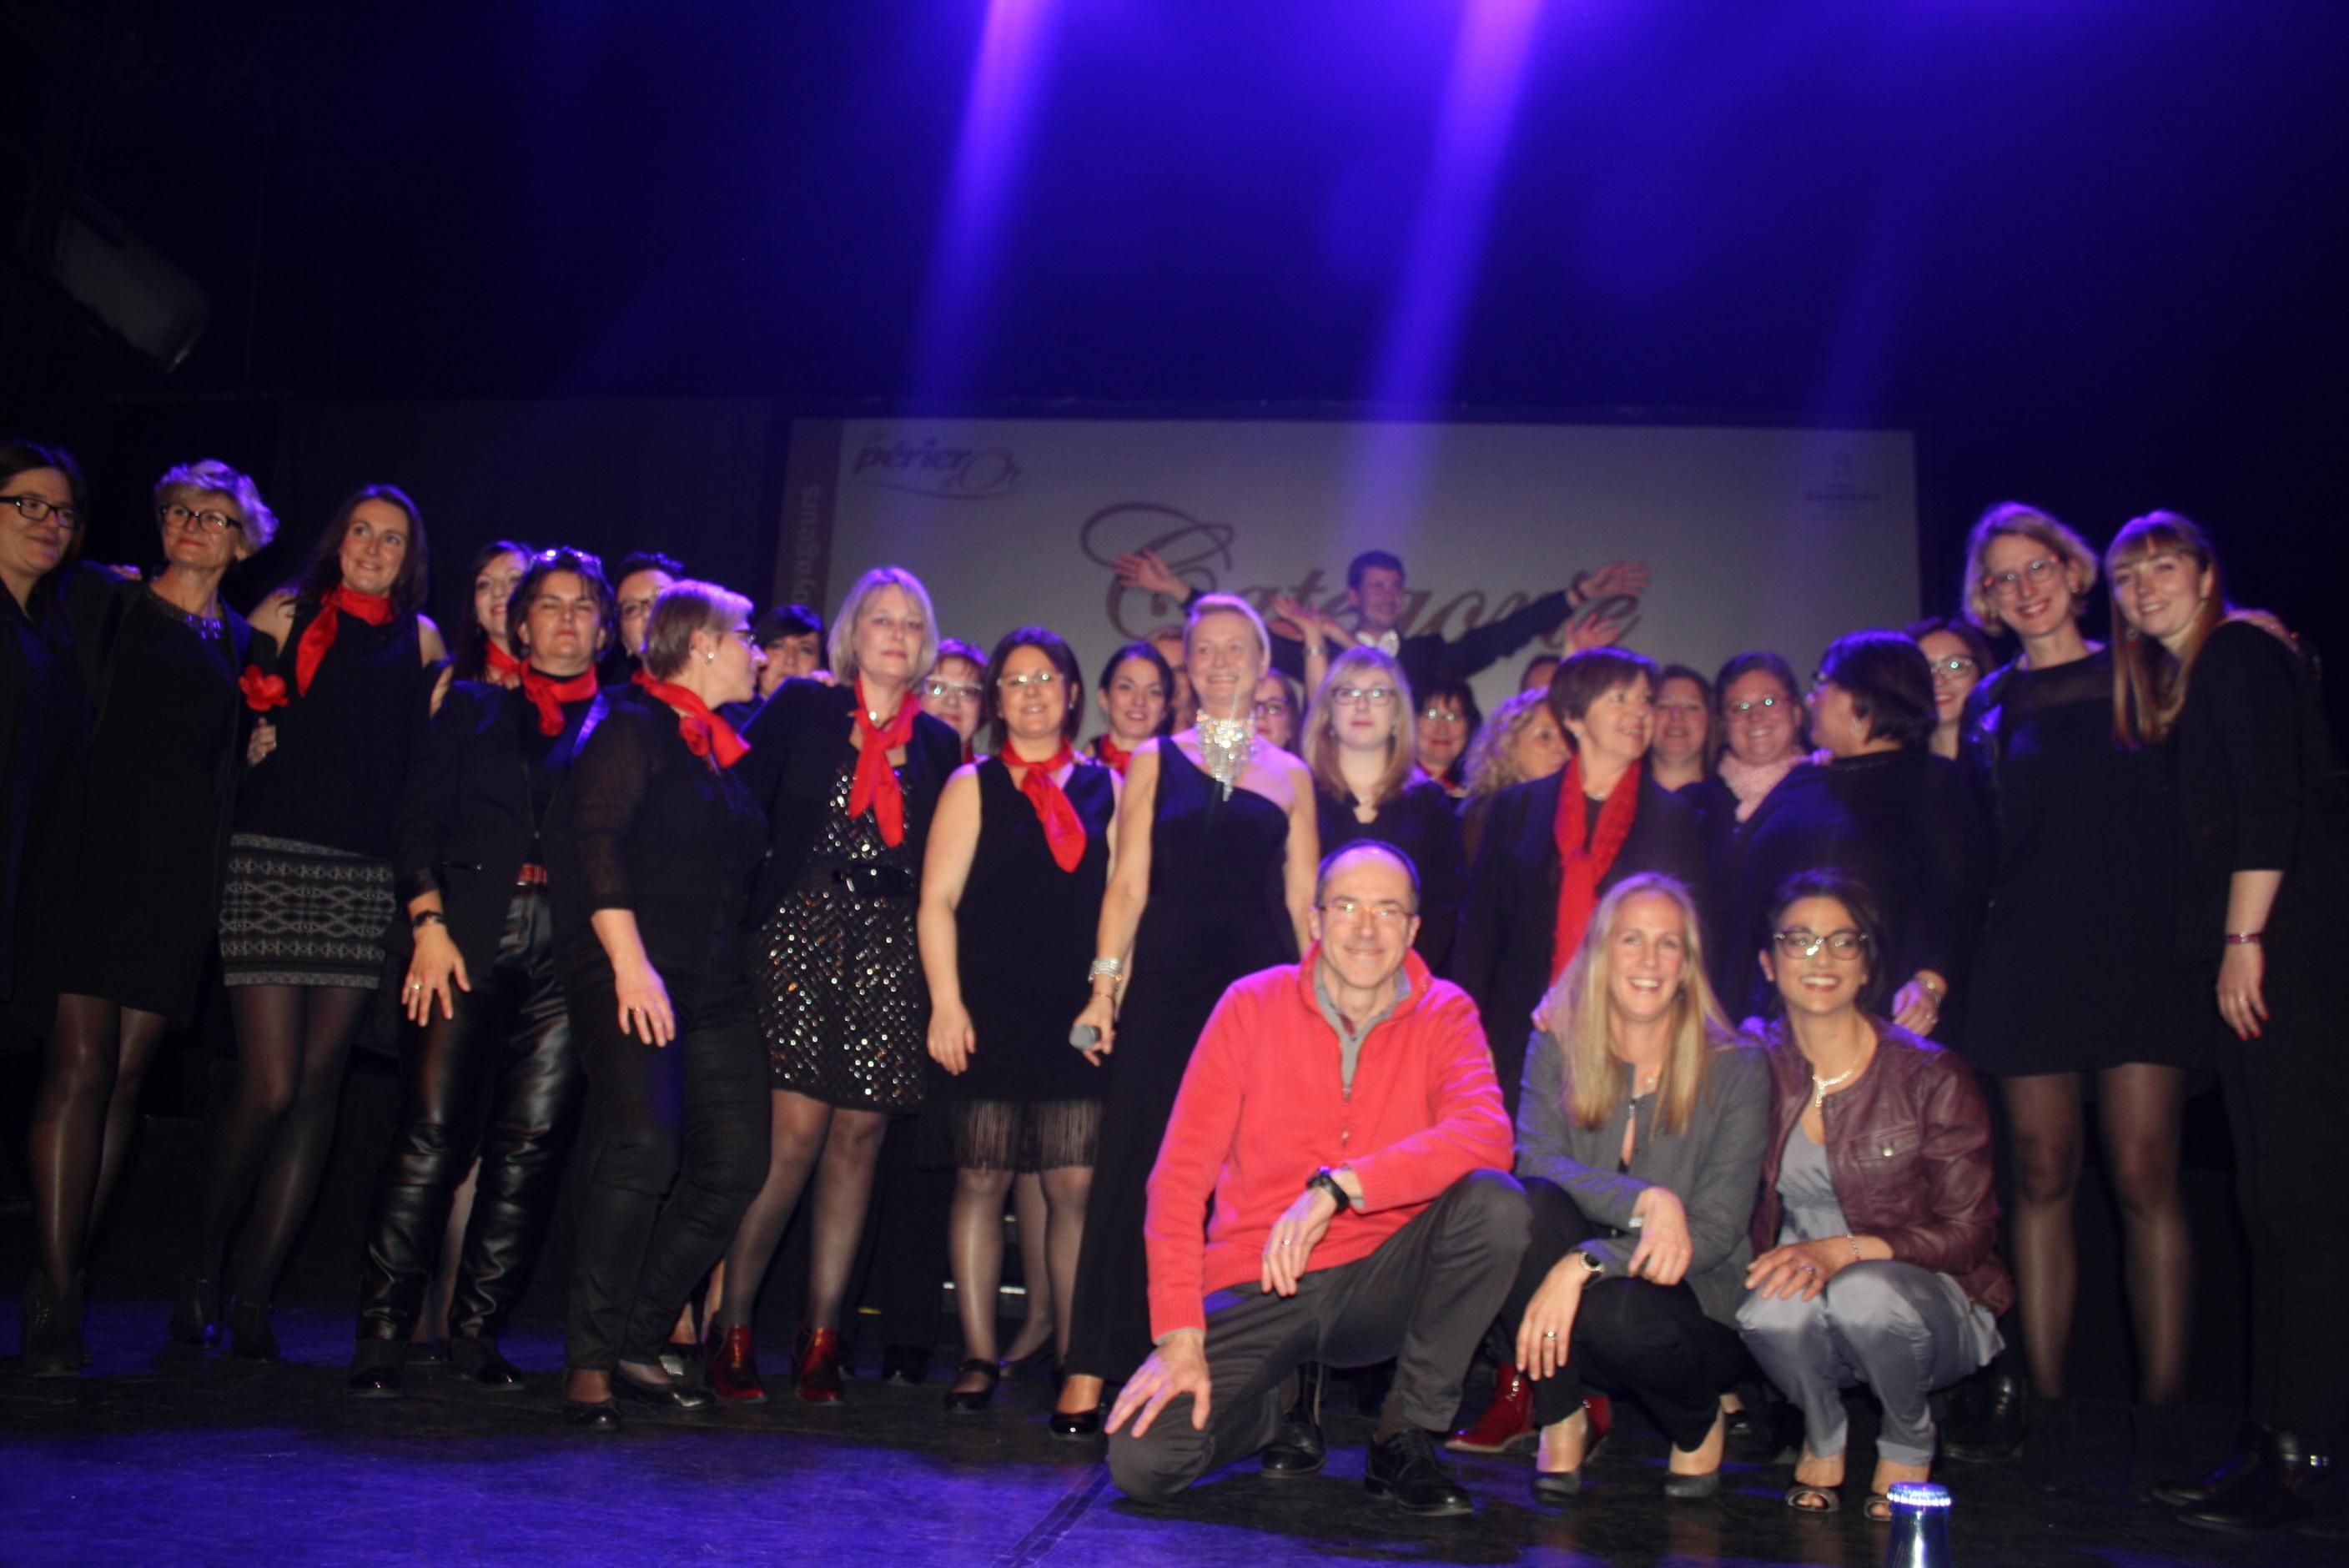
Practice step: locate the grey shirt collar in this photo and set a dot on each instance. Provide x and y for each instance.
(1350, 1042)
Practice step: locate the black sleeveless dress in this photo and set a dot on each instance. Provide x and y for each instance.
(1216, 913)
(309, 885)
(1024, 934)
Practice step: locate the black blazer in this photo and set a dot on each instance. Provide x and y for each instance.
(465, 823)
(1502, 958)
(797, 740)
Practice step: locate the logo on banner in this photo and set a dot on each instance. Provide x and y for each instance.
(931, 467)
(1840, 488)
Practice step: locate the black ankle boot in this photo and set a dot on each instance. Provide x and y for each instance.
(2054, 1444)
(378, 1369)
(1990, 1417)
(2299, 1483)
(250, 1337)
(51, 1328)
(195, 1310)
(1298, 1448)
(2251, 1451)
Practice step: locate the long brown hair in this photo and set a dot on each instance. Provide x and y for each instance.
(323, 572)
(1580, 1018)
(1319, 733)
(2149, 680)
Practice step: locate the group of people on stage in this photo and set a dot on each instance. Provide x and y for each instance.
(1307, 1016)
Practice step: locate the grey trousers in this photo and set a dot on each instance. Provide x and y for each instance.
(1900, 1330)
(1424, 1298)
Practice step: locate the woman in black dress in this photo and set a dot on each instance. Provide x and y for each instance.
(1136, 698)
(2072, 974)
(850, 774)
(651, 856)
(2263, 913)
(1359, 741)
(1216, 848)
(1011, 891)
(134, 881)
(341, 683)
(1884, 809)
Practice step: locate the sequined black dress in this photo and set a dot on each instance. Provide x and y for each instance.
(842, 1001)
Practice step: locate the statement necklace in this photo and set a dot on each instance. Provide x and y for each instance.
(202, 625)
(1820, 1085)
(1224, 746)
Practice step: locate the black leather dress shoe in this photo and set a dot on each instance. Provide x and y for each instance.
(592, 1415)
(2252, 1450)
(665, 1396)
(378, 1369)
(1991, 1419)
(1405, 1468)
(2300, 1482)
(479, 1362)
(1299, 1449)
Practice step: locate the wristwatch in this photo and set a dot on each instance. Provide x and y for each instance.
(1326, 1179)
(1593, 1266)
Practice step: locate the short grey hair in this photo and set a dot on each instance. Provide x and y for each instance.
(254, 520)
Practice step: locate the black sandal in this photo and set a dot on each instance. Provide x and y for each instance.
(972, 1401)
(1830, 1500)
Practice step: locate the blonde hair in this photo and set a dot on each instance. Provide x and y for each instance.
(1582, 1025)
(683, 609)
(1490, 765)
(1320, 735)
(2029, 523)
(842, 646)
(1208, 604)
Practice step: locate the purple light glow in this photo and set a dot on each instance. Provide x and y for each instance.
(1013, 52)
(1415, 357)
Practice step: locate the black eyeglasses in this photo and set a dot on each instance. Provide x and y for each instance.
(178, 516)
(39, 509)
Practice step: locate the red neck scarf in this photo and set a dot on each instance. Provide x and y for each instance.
(876, 784)
(1581, 870)
(501, 669)
(1115, 756)
(1064, 831)
(548, 695)
(706, 734)
(375, 609)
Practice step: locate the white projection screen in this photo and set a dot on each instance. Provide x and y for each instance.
(1757, 537)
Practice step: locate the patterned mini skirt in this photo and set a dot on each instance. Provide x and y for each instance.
(302, 914)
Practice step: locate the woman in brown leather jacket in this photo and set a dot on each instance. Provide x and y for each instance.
(1874, 1232)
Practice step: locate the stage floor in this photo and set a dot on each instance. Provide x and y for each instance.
(175, 1455)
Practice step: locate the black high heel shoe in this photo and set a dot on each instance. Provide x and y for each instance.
(195, 1311)
(626, 1385)
(971, 1401)
(250, 1337)
(51, 1326)
(592, 1415)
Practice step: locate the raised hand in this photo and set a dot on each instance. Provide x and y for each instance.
(1145, 568)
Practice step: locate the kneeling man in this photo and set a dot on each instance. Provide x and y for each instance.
(1342, 1116)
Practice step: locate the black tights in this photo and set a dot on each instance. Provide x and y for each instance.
(84, 1117)
(975, 1246)
(848, 1144)
(292, 1042)
(2139, 1107)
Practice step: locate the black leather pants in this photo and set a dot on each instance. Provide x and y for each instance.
(502, 1079)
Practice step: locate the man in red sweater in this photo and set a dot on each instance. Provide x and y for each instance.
(1342, 1116)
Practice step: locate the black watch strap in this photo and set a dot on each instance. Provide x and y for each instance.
(423, 918)
(1328, 1183)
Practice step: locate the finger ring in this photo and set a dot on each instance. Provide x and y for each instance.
(1549, 1334)
(1284, 1243)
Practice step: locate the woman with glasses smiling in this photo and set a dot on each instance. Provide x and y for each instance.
(1448, 720)
(130, 914)
(1958, 656)
(1874, 1232)
(1360, 744)
(2072, 978)
(955, 691)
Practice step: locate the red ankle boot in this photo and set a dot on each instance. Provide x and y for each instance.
(734, 1366)
(1506, 1423)
(816, 1357)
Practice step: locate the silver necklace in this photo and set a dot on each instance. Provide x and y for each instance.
(1224, 746)
(1820, 1085)
(202, 625)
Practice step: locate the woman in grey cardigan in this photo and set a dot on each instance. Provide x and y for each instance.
(1640, 1141)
